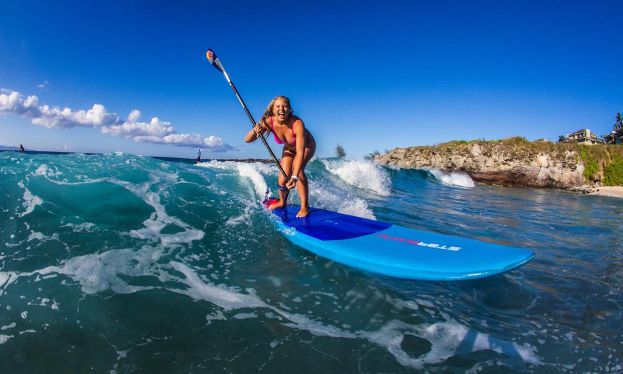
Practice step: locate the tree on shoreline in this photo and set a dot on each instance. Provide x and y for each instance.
(615, 136)
(339, 151)
(372, 155)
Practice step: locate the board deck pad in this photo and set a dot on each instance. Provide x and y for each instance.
(384, 248)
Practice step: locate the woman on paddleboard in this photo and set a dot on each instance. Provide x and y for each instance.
(298, 148)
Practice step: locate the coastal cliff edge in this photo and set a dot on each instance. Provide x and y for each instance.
(517, 162)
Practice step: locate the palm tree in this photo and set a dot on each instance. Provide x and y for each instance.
(619, 121)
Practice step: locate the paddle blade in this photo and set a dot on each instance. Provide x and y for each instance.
(211, 56)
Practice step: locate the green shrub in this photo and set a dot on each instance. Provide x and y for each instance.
(613, 173)
(591, 165)
(454, 142)
(516, 140)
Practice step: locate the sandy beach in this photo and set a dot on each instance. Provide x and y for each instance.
(614, 191)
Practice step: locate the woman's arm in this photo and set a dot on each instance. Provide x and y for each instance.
(255, 132)
(299, 131)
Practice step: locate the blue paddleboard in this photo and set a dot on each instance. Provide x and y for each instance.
(384, 248)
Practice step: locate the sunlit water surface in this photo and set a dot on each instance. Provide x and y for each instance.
(121, 263)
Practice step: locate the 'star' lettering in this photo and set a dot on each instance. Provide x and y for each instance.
(419, 243)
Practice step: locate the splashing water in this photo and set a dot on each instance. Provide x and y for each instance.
(125, 263)
(362, 174)
(452, 178)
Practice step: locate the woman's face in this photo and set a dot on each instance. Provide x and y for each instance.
(281, 109)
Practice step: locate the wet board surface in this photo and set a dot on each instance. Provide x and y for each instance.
(387, 249)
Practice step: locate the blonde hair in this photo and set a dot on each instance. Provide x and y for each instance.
(269, 109)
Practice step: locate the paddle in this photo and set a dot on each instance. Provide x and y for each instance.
(217, 64)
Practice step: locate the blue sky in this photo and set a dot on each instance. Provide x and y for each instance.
(368, 75)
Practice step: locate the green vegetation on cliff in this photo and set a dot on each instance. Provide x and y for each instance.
(613, 173)
(591, 164)
(601, 162)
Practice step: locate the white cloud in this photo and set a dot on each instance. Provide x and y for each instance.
(154, 131)
(43, 85)
(133, 128)
(54, 117)
(66, 118)
(12, 101)
(188, 140)
(134, 115)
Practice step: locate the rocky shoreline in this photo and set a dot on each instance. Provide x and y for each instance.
(506, 163)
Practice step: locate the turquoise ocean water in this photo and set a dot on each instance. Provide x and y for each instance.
(120, 263)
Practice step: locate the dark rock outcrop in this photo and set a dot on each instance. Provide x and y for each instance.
(495, 163)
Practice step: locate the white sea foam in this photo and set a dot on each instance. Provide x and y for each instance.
(361, 174)
(49, 172)
(9, 326)
(108, 270)
(447, 338)
(100, 271)
(83, 227)
(233, 165)
(244, 217)
(159, 219)
(45, 302)
(30, 202)
(35, 235)
(330, 197)
(454, 178)
(321, 194)
(42, 169)
(251, 171)
(6, 278)
(357, 207)
(213, 164)
(223, 297)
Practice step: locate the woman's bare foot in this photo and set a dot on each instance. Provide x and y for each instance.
(304, 212)
(277, 205)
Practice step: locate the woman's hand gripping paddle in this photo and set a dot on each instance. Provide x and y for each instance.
(213, 59)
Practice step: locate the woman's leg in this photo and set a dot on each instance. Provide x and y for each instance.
(303, 185)
(286, 163)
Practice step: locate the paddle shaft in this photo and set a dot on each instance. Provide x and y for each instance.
(261, 136)
(246, 110)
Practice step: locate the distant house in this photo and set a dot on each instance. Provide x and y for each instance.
(612, 138)
(616, 136)
(583, 136)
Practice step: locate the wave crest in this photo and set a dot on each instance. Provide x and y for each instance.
(362, 174)
(455, 178)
